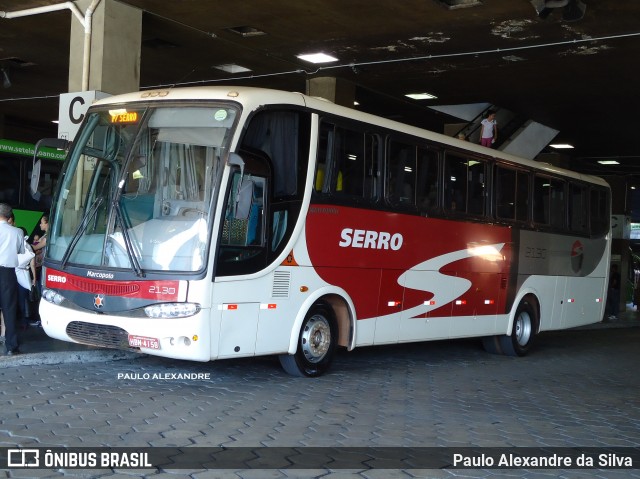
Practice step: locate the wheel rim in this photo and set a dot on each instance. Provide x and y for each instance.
(523, 328)
(316, 339)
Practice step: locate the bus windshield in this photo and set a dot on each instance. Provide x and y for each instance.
(138, 187)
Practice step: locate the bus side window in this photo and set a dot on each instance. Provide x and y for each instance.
(540, 200)
(558, 204)
(549, 205)
(455, 184)
(522, 196)
(578, 208)
(322, 181)
(599, 218)
(505, 193)
(476, 186)
(401, 174)
(350, 163)
(427, 181)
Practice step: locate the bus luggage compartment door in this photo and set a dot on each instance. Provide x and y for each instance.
(238, 328)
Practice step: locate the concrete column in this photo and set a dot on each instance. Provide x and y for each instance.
(115, 48)
(340, 92)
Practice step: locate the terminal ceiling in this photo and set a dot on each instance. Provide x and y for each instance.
(578, 77)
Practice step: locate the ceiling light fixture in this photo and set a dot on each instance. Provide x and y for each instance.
(247, 31)
(561, 146)
(608, 162)
(421, 96)
(232, 68)
(317, 58)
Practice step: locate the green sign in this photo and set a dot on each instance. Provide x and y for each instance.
(27, 149)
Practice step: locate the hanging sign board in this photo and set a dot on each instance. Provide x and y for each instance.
(72, 109)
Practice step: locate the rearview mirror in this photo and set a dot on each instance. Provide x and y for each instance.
(57, 143)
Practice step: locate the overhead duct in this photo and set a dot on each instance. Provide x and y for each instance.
(84, 20)
(573, 10)
(453, 4)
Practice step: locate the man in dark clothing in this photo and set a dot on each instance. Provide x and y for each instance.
(613, 297)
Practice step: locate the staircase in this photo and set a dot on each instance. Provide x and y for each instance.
(517, 135)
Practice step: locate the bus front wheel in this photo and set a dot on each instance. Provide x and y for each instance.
(316, 344)
(523, 331)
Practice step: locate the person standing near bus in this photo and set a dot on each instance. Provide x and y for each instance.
(26, 274)
(38, 249)
(613, 298)
(11, 245)
(489, 131)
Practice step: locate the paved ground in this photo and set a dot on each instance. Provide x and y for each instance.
(578, 388)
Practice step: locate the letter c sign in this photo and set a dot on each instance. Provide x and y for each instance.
(76, 120)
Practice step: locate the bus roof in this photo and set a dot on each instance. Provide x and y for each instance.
(252, 98)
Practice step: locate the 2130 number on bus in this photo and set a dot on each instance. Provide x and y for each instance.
(143, 342)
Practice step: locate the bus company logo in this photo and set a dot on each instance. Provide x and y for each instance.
(370, 239)
(99, 275)
(98, 301)
(577, 256)
(56, 278)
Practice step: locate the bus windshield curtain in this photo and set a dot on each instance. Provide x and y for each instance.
(182, 172)
(276, 133)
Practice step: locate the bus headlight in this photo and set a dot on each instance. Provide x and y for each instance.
(52, 297)
(172, 310)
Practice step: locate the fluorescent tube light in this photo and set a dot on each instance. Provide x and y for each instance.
(421, 96)
(317, 58)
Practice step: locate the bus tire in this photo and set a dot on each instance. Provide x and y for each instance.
(316, 344)
(491, 344)
(523, 331)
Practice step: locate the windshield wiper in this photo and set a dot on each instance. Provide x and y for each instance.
(91, 212)
(128, 244)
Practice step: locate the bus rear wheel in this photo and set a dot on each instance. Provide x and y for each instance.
(523, 331)
(316, 344)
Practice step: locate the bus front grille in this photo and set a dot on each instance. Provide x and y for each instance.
(101, 335)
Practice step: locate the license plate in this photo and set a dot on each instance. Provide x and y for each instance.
(143, 342)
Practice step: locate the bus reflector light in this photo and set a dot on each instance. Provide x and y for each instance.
(571, 300)
(489, 301)
(461, 302)
(393, 303)
(598, 300)
(171, 310)
(268, 306)
(228, 307)
(194, 337)
(431, 302)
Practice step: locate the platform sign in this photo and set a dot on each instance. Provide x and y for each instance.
(71, 111)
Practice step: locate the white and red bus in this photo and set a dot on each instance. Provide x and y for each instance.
(214, 222)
